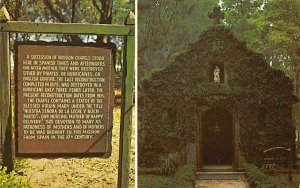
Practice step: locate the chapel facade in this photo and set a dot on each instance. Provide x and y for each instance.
(220, 102)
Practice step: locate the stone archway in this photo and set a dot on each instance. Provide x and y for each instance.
(217, 137)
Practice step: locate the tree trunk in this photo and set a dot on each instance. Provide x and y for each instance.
(296, 107)
(106, 18)
(61, 18)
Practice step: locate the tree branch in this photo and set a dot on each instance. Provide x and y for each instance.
(97, 6)
(297, 20)
(54, 12)
(17, 10)
(60, 18)
(106, 15)
(73, 10)
(105, 18)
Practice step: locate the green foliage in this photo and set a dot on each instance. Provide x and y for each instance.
(184, 178)
(12, 180)
(152, 181)
(278, 182)
(148, 153)
(254, 175)
(166, 164)
(269, 27)
(217, 14)
(256, 178)
(121, 9)
(20, 165)
(68, 11)
(270, 169)
(85, 10)
(166, 27)
(186, 173)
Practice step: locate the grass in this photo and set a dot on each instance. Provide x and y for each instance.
(279, 181)
(12, 180)
(183, 178)
(257, 178)
(156, 181)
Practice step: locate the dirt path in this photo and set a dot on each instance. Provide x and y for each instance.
(87, 172)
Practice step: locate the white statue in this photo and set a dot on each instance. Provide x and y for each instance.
(217, 75)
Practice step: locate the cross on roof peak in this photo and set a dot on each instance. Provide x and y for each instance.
(216, 14)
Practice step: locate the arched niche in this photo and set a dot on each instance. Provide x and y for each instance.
(217, 72)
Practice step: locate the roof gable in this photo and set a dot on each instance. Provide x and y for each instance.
(191, 72)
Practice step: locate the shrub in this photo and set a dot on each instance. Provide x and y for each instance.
(270, 169)
(185, 177)
(186, 173)
(277, 182)
(256, 178)
(12, 180)
(20, 165)
(149, 147)
(254, 175)
(167, 165)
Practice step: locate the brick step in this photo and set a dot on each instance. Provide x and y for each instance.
(220, 175)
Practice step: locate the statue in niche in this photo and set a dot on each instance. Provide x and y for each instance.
(217, 75)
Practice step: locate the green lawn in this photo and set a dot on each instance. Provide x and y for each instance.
(155, 181)
(183, 178)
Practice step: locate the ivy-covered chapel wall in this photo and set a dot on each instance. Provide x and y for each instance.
(170, 99)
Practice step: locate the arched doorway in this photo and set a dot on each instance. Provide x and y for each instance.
(217, 137)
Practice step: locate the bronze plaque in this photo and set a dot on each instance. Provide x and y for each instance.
(64, 97)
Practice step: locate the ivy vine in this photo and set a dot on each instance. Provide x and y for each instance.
(170, 99)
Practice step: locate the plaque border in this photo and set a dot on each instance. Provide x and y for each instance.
(107, 154)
